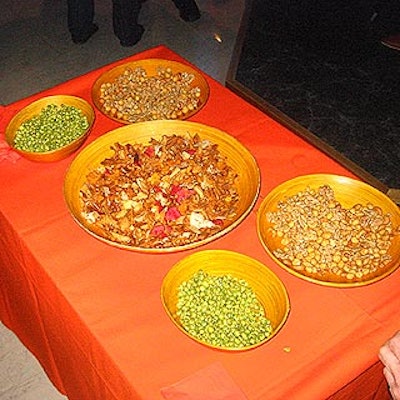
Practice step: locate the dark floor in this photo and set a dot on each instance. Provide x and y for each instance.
(325, 68)
(36, 51)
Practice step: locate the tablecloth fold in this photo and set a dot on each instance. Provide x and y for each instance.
(6, 152)
(212, 383)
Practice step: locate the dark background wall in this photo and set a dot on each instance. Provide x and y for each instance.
(322, 64)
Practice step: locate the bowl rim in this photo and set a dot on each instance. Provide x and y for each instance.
(46, 100)
(226, 254)
(137, 63)
(341, 179)
(195, 127)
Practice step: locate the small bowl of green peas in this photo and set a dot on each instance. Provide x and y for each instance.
(225, 300)
(51, 128)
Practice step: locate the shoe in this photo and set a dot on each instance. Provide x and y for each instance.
(392, 42)
(85, 37)
(139, 30)
(190, 15)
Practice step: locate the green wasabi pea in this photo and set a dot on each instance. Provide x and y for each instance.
(222, 311)
(54, 127)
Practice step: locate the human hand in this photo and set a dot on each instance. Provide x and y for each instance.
(389, 354)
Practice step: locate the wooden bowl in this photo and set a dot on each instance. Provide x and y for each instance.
(34, 109)
(238, 157)
(151, 67)
(348, 192)
(269, 289)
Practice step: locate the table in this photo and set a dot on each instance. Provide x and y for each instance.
(92, 313)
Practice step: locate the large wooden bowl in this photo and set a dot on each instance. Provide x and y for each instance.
(151, 66)
(348, 192)
(34, 109)
(238, 157)
(269, 289)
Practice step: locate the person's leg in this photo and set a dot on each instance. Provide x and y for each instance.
(80, 20)
(125, 21)
(188, 10)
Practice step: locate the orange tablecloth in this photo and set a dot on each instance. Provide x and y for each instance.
(92, 313)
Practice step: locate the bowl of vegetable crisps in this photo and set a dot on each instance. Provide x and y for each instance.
(225, 300)
(51, 128)
(162, 186)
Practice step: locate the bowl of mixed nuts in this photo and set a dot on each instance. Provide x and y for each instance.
(225, 300)
(51, 128)
(331, 230)
(150, 89)
(162, 186)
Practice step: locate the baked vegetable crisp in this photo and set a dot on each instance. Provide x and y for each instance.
(167, 193)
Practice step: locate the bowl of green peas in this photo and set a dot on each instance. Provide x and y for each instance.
(51, 128)
(225, 300)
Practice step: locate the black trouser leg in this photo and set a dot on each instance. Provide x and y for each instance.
(80, 17)
(125, 21)
(188, 9)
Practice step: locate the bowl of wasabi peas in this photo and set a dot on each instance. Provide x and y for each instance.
(50, 128)
(225, 300)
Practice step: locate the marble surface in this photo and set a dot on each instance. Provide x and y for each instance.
(333, 77)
